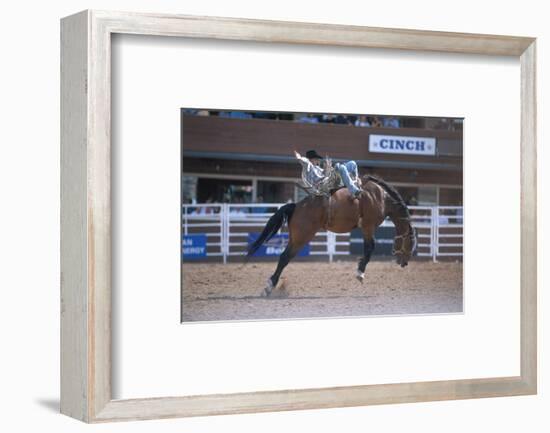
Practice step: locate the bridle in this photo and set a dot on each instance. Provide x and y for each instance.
(410, 234)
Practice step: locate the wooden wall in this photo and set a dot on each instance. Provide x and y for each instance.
(278, 138)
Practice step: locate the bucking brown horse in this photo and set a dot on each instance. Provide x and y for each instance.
(341, 213)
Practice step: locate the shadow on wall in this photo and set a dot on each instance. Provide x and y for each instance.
(51, 404)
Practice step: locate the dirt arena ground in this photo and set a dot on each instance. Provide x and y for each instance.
(213, 291)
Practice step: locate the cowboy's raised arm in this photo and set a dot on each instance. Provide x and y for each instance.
(301, 159)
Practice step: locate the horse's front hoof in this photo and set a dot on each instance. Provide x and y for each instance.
(360, 276)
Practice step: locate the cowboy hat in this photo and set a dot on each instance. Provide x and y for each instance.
(312, 154)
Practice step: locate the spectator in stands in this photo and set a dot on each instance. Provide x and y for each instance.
(205, 210)
(285, 116)
(186, 202)
(362, 121)
(308, 118)
(375, 122)
(390, 122)
(327, 118)
(259, 209)
(235, 114)
(264, 115)
(442, 124)
(457, 124)
(238, 210)
(459, 213)
(340, 119)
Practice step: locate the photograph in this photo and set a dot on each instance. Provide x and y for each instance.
(288, 215)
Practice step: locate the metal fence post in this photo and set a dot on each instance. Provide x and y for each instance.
(435, 230)
(330, 245)
(225, 232)
(185, 226)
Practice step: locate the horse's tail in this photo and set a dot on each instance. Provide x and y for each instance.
(283, 214)
(395, 197)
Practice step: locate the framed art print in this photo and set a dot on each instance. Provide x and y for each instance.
(262, 216)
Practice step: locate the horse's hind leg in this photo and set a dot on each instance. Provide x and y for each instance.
(287, 255)
(297, 240)
(304, 224)
(368, 248)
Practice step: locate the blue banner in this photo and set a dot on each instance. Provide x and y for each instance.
(275, 246)
(193, 246)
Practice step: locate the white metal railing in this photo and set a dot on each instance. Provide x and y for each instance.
(241, 219)
(448, 231)
(227, 226)
(206, 219)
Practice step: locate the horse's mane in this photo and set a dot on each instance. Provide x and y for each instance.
(392, 192)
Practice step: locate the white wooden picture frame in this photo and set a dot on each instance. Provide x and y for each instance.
(86, 392)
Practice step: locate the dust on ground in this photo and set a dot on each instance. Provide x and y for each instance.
(233, 291)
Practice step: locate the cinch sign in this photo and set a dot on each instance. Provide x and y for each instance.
(403, 145)
(275, 246)
(193, 246)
